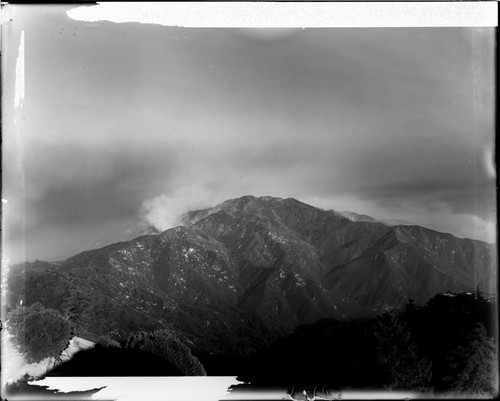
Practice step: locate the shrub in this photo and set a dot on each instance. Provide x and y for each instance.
(167, 345)
(39, 333)
(402, 365)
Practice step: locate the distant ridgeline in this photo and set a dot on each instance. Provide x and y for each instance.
(237, 277)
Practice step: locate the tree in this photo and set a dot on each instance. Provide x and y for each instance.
(165, 344)
(473, 365)
(48, 287)
(398, 356)
(102, 316)
(76, 306)
(39, 333)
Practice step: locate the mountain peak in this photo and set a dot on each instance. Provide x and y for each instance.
(270, 198)
(251, 206)
(264, 200)
(280, 260)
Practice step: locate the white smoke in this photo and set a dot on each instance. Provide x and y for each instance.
(166, 211)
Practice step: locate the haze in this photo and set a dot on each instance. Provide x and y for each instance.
(130, 123)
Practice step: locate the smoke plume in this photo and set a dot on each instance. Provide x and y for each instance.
(166, 211)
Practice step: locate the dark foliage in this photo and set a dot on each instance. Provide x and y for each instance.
(443, 346)
(75, 305)
(158, 353)
(333, 352)
(399, 358)
(451, 328)
(166, 345)
(38, 332)
(471, 365)
(243, 337)
(40, 282)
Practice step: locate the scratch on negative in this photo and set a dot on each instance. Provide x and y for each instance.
(19, 95)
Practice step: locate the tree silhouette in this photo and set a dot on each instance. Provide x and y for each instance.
(473, 365)
(398, 355)
(165, 344)
(76, 306)
(39, 333)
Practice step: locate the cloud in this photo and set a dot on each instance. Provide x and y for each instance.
(462, 225)
(471, 226)
(128, 121)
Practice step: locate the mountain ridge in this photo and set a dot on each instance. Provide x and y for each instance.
(253, 268)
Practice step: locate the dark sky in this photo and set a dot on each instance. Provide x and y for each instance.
(130, 122)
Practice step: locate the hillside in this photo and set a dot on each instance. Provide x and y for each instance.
(235, 277)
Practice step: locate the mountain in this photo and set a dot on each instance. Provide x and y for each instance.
(234, 277)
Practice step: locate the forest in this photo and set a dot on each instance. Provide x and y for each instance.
(447, 346)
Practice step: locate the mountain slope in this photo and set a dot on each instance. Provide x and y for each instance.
(235, 276)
